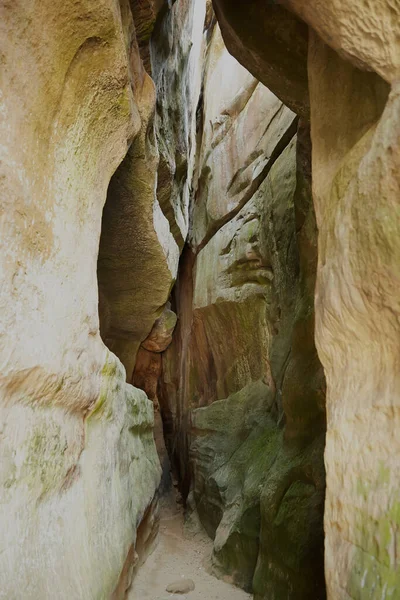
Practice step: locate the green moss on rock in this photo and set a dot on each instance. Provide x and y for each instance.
(376, 569)
(44, 466)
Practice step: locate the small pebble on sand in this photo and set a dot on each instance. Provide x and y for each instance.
(183, 586)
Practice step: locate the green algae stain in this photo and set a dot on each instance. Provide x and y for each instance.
(44, 464)
(376, 564)
(116, 396)
(108, 376)
(371, 579)
(383, 474)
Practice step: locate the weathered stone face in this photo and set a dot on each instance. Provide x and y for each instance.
(245, 317)
(160, 336)
(365, 33)
(138, 257)
(355, 187)
(75, 440)
(71, 101)
(271, 43)
(357, 304)
(177, 54)
(75, 488)
(244, 128)
(146, 216)
(205, 179)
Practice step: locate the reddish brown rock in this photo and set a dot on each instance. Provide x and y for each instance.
(160, 336)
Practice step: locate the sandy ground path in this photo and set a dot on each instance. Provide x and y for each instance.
(179, 555)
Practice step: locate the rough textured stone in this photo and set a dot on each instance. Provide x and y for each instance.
(145, 219)
(75, 488)
(145, 14)
(364, 32)
(75, 124)
(160, 336)
(244, 127)
(146, 377)
(212, 170)
(177, 53)
(271, 43)
(355, 135)
(138, 256)
(245, 427)
(356, 188)
(78, 462)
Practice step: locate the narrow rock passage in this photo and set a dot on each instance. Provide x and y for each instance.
(180, 554)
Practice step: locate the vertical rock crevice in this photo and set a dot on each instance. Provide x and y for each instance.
(137, 256)
(207, 260)
(241, 391)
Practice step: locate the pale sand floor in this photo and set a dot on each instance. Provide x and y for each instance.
(180, 555)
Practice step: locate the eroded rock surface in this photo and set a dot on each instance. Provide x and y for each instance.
(177, 57)
(138, 256)
(355, 136)
(245, 428)
(271, 43)
(356, 191)
(160, 337)
(205, 179)
(78, 461)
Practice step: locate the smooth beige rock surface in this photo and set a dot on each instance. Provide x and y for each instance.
(78, 464)
(67, 113)
(74, 491)
(356, 190)
(243, 124)
(355, 136)
(364, 32)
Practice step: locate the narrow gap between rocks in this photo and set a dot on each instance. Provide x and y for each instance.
(170, 549)
(220, 343)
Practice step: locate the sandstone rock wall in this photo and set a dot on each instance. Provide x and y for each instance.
(353, 66)
(242, 390)
(146, 216)
(138, 256)
(356, 190)
(135, 106)
(79, 468)
(281, 64)
(78, 464)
